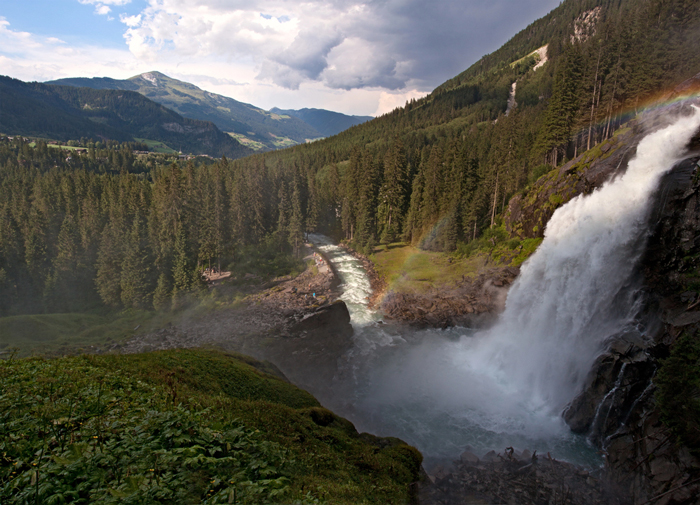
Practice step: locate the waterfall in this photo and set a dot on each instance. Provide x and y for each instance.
(577, 289)
(442, 390)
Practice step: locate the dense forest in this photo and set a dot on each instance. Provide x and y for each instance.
(110, 228)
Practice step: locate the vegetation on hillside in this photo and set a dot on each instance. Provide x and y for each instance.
(678, 392)
(247, 122)
(183, 427)
(109, 228)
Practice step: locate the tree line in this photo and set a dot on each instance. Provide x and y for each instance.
(114, 230)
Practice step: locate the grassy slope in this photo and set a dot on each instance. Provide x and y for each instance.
(72, 333)
(407, 269)
(184, 426)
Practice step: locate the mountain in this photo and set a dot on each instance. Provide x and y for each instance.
(326, 122)
(251, 125)
(65, 112)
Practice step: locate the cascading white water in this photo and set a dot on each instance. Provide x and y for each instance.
(444, 389)
(575, 290)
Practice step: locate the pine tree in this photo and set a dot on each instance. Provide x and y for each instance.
(110, 257)
(296, 223)
(135, 268)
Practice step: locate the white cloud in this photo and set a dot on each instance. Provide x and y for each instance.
(102, 6)
(30, 57)
(102, 10)
(390, 44)
(104, 2)
(390, 101)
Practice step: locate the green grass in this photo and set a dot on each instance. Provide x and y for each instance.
(186, 426)
(157, 146)
(248, 142)
(63, 334)
(408, 269)
(282, 142)
(56, 146)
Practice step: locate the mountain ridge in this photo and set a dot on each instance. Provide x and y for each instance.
(65, 112)
(251, 125)
(326, 122)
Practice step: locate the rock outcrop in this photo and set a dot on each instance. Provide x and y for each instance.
(522, 478)
(473, 302)
(309, 351)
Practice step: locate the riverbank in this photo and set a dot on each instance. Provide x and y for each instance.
(269, 310)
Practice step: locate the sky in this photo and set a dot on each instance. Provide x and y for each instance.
(355, 57)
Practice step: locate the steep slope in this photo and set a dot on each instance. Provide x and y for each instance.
(249, 123)
(64, 112)
(184, 427)
(328, 123)
(37, 110)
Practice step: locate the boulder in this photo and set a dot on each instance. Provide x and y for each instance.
(469, 458)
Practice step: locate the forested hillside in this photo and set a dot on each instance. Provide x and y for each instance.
(65, 112)
(111, 229)
(437, 172)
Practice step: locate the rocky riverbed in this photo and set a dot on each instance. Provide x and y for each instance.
(518, 478)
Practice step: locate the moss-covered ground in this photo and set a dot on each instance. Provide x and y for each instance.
(185, 426)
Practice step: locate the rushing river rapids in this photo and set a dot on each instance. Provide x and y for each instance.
(444, 390)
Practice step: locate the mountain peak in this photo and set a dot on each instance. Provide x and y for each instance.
(152, 77)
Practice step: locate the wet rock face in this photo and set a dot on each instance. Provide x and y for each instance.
(617, 407)
(309, 351)
(614, 385)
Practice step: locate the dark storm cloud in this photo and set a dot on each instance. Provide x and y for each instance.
(391, 44)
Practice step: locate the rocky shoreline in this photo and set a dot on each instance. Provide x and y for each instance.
(518, 478)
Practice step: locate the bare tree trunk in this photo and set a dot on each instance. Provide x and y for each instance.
(495, 196)
(595, 85)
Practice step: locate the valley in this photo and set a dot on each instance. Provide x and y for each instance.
(489, 294)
